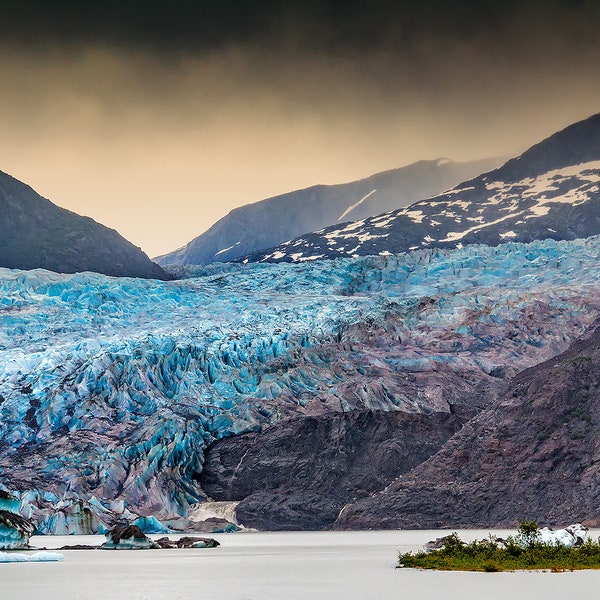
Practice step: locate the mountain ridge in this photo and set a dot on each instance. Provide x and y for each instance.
(520, 201)
(38, 234)
(274, 220)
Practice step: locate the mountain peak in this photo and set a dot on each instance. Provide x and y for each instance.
(37, 234)
(576, 144)
(550, 191)
(275, 220)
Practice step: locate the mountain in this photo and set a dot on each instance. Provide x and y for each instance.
(269, 222)
(37, 234)
(550, 191)
(534, 454)
(115, 393)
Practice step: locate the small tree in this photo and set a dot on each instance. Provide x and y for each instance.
(529, 533)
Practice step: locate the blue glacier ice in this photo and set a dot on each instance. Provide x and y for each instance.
(9, 502)
(111, 389)
(41, 556)
(151, 525)
(15, 531)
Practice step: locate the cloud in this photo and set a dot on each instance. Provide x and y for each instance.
(159, 136)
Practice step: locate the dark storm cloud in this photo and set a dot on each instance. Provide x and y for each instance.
(118, 109)
(330, 26)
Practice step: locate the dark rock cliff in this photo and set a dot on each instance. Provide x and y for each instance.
(534, 454)
(284, 484)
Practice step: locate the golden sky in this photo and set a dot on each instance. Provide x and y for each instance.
(159, 146)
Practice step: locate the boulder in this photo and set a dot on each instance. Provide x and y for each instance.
(188, 542)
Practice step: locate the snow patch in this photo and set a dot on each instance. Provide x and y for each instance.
(355, 205)
(227, 249)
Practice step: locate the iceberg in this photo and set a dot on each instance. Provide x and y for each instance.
(42, 556)
(151, 525)
(571, 536)
(127, 537)
(15, 531)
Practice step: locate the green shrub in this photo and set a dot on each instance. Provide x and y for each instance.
(523, 551)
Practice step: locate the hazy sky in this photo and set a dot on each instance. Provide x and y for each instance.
(157, 118)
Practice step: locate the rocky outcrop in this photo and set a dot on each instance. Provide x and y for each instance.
(299, 473)
(15, 531)
(37, 234)
(131, 537)
(187, 542)
(534, 454)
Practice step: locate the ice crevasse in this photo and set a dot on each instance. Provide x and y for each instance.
(111, 389)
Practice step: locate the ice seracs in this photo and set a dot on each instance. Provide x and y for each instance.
(112, 388)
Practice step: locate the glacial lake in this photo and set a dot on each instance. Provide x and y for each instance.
(276, 566)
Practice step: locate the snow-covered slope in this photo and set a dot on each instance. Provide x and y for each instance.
(110, 389)
(550, 191)
(269, 222)
(37, 234)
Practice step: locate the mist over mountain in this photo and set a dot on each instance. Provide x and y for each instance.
(550, 191)
(275, 220)
(37, 234)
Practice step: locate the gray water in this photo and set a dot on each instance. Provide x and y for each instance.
(276, 566)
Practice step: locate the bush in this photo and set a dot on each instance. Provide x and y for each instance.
(523, 551)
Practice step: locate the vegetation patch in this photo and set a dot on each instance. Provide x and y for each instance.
(525, 551)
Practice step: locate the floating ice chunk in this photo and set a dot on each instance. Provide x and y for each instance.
(42, 556)
(573, 535)
(151, 525)
(15, 531)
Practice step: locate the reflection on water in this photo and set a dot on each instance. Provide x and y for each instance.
(276, 566)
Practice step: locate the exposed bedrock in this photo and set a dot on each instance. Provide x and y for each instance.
(534, 454)
(299, 473)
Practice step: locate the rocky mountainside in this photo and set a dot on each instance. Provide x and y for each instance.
(550, 191)
(37, 234)
(270, 222)
(284, 484)
(111, 390)
(533, 454)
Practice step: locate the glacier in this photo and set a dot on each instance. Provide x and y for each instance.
(111, 388)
